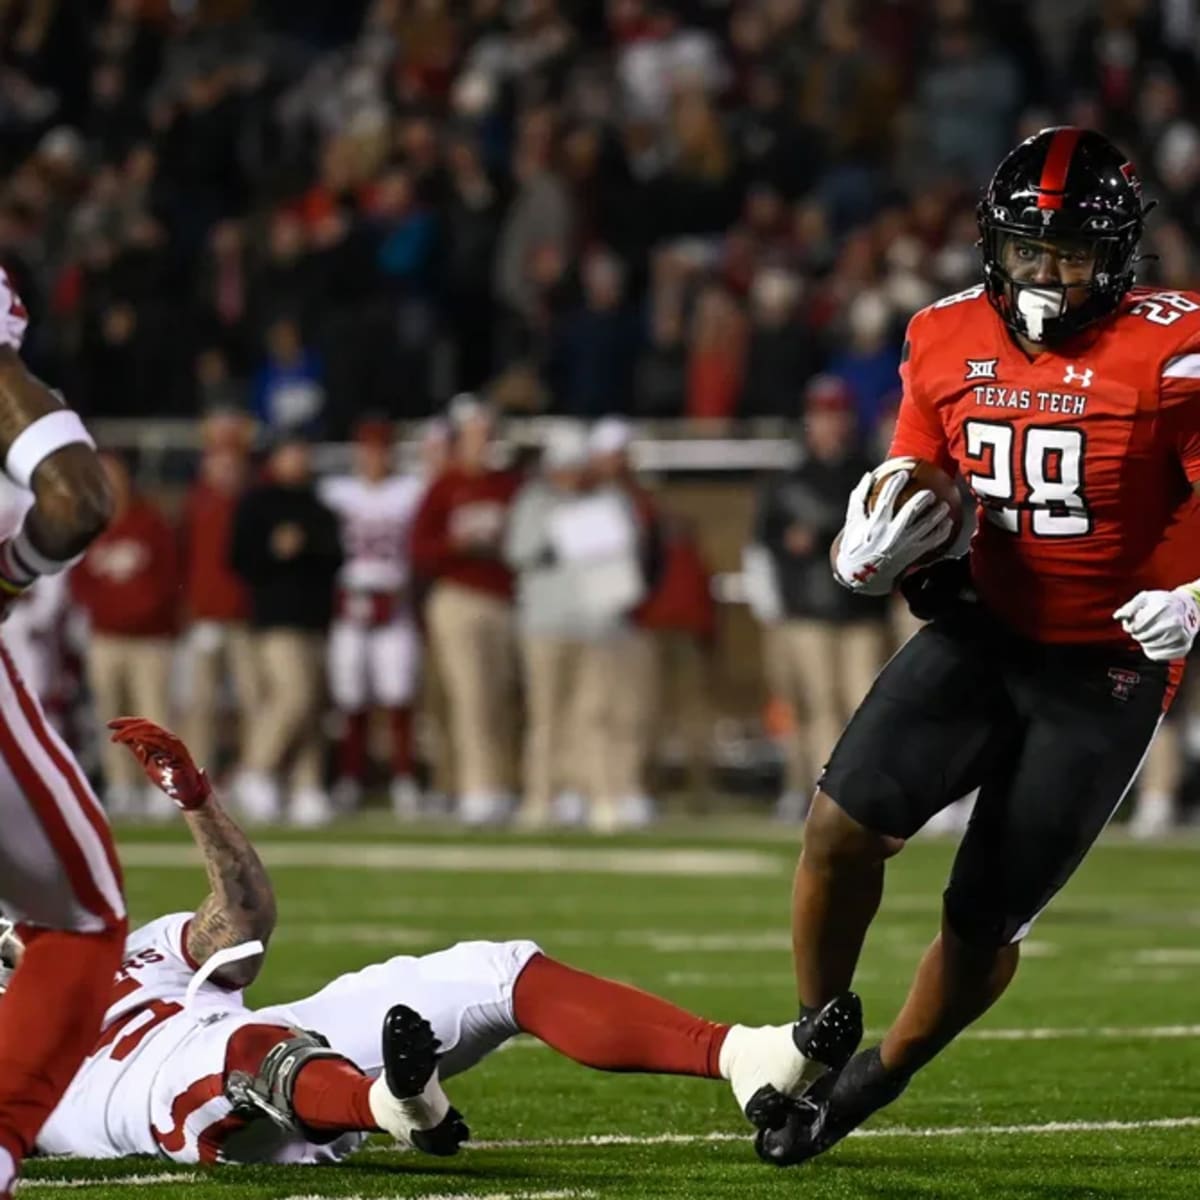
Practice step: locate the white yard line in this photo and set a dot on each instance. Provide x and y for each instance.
(442, 856)
(893, 1131)
(169, 1177)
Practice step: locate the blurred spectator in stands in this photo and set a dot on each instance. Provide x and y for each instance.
(782, 354)
(128, 584)
(681, 616)
(628, 650)
(374, 648)
(457, 545)
(826, 645)
(967, 100)
(220, 652)
(287, 550)
(662, 373)
(597, 344)
(216, 390)
(289, 386)
(869, 363)
(284, 285)
(534, 244)
(716, 358)
(472, 229)
(699, 194)
(224, 291)
(553, 629)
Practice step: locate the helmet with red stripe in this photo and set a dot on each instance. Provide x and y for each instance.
(1062, 187)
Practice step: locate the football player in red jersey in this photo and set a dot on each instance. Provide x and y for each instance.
(59, 878)
(1067, 401)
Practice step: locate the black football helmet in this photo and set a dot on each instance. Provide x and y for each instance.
(1062, 183)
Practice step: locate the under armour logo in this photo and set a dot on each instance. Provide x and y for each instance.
(1083, 378)
(982, 368)
(1123, 682)
(864, 573)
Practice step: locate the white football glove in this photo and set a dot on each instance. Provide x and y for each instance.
(877, 547)
(1164, 624)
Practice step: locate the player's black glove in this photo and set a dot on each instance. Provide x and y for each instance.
(938, 589)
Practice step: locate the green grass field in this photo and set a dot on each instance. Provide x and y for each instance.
(1084, 1082)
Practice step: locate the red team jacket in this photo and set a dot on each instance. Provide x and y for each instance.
(1081, 459)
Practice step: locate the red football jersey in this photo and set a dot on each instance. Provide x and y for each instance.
(1080, 459)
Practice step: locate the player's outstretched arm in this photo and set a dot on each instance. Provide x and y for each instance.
(45, 447)
(240, 906)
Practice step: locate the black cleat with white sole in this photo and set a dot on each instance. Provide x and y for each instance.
(827, 1038)
(411, 1052)
(835, 1107)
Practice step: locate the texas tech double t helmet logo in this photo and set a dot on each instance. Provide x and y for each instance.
(1063, 183)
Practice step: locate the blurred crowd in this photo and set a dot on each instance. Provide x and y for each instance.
(498, 633)
(483, 637)
(657, 208)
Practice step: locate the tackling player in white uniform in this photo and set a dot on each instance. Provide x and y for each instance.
(374, 647)
(184, 1070)
(58, 868)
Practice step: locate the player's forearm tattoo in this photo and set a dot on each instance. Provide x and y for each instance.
(72, 501)
(241, 904)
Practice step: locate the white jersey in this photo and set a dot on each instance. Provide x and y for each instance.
(155, 1082)
(375, 520)
(143, 1087)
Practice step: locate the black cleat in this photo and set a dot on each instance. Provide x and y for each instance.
(411, 1052)
(826, 1038)
(832, 1110)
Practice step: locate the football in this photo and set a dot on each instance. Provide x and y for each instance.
(924, 476)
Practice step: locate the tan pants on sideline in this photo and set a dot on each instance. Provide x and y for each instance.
(823, 670)
(224, 651)
(474, 642)
(129, 676)
(618, 700)
(286, 725)
(433, 720)
(552, 671)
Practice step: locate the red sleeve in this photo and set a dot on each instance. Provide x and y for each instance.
(430, 539)
(1179, 400)
(919, 432)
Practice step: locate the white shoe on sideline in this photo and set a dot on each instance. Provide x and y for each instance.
(406, 797)
(257, 797)
(570, 810)
(478, 809)
(310, 808)
(1153, 816)
(792, 807)
(638, 812)
(346, 795)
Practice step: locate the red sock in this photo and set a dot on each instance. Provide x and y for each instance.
(330, 1094)
(352, 751)
(401, 722)
(49, 1022)
(611, 1026)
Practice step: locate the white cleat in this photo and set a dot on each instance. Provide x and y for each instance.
(770, 1066)
(638, 812)
(479, 809)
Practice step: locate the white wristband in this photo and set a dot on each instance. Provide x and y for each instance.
(41, 439)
